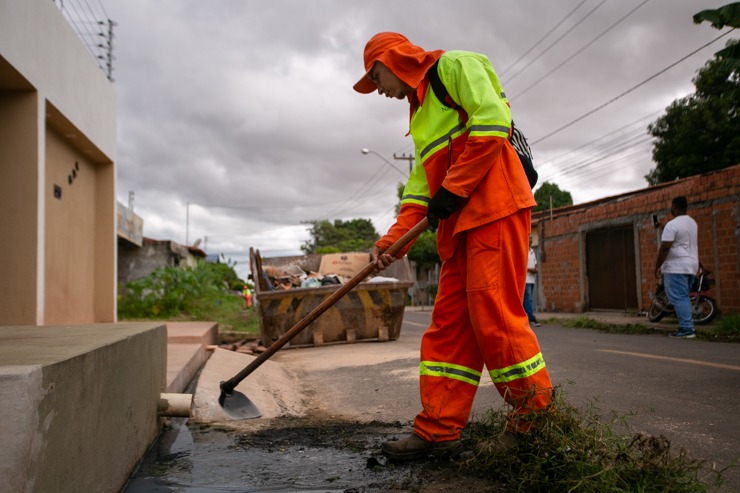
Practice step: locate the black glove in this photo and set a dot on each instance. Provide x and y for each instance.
(443, 205)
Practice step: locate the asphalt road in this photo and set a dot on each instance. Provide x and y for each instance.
(686, 390)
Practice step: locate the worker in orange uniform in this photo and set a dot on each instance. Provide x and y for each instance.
(469, 182)
(247, 292)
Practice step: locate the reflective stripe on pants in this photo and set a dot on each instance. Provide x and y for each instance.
(478, 320)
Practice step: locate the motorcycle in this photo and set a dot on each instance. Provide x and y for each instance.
(703, 307)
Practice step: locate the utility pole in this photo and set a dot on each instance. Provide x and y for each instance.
(187, 222)
(404, 157)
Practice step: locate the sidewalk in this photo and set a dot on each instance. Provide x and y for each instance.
(611, 317)
(187, 351)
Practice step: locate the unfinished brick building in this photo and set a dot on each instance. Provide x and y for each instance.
(600, 255)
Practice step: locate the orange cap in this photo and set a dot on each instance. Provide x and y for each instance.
(407, 61)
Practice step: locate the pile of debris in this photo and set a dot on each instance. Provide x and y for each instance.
(293, 276)
(334, 269)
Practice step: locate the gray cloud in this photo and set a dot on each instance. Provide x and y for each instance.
(246, 108)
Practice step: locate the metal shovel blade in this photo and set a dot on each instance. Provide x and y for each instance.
(238, 406)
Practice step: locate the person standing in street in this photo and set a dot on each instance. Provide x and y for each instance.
(529, 286)
(678, 261)
(247, 293)
(469, 183)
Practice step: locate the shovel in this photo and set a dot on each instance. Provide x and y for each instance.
(238, 405)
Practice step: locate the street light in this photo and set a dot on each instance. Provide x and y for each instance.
(368, 151)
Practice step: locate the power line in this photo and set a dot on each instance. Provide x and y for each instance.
(588, 164)
(557, 41)
(603, 33)
(581, 160)
(542, 38)
(364, 190)
(575, 158)
(610, 167)
(589, 113)
(639, 120)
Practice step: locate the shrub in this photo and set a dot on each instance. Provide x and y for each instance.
(174, 292)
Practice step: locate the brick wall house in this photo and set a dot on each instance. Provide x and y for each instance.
(600, 255)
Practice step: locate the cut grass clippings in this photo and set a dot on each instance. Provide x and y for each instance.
(572, 450)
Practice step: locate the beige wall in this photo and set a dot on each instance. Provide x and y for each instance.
(18, 206)
(106, 241)
(70, 220)
(57, 108)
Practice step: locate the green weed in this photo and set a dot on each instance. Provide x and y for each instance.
(572, 450)
(583, 322)
(725, 329)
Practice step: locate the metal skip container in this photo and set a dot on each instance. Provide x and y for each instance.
(372, 311)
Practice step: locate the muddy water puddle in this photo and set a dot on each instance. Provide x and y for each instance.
(291, 456)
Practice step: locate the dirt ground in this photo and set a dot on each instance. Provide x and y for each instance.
(293, 454)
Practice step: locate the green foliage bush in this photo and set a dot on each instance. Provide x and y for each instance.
(228, 275)
(174, 292)
(356, 235)
(208, 292)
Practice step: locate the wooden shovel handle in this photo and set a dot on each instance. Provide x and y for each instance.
(229, 385)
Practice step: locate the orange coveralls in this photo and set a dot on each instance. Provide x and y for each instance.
(478, 317)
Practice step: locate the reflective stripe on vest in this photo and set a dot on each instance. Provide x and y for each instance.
(456, 130)
(520, 370)
(433, 123)
(448, 370)
(497, 129)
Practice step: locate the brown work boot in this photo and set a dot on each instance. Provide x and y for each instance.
(496, 445)
(414, 447)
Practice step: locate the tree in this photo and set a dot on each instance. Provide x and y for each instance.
(356, 235)
(424, 250)
(399, 193)
(700, 132)
(548, 191)
(729, 15)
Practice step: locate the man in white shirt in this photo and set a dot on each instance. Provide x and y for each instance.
(678, 261)
(529, 286)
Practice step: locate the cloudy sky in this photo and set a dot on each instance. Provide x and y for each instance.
(237, 121)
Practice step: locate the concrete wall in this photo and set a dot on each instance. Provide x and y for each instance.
(714, 202)
(79, 404)
(135, 262)
(57, 179)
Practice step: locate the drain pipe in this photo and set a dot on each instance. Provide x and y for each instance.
(175, 405)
